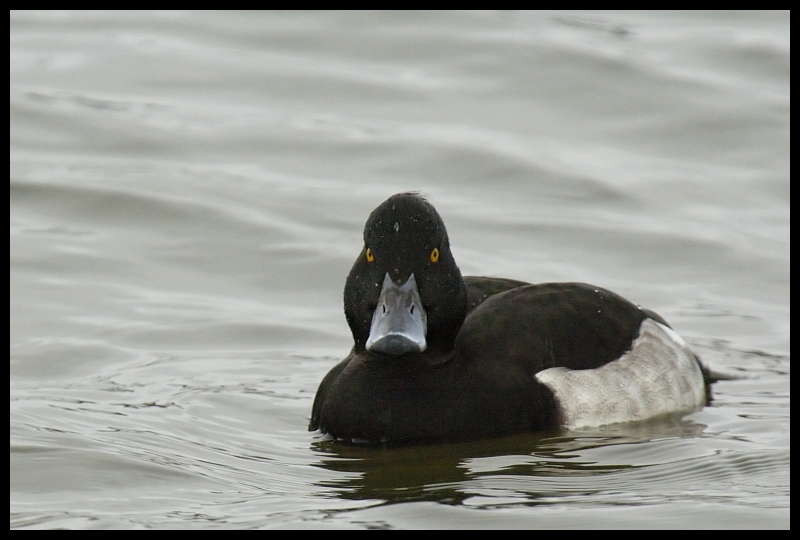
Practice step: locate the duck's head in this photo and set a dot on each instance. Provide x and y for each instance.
(405, 293)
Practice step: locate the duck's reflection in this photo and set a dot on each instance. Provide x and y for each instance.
(449, 472)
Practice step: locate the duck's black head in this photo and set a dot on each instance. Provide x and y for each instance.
(405, 293)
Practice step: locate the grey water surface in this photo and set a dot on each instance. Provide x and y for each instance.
(187, 196)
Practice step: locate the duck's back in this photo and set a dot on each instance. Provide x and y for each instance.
(572, 325)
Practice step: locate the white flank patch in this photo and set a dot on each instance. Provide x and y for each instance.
(659, 375)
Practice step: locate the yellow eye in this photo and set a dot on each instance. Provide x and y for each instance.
(370, 256)
(435, 255)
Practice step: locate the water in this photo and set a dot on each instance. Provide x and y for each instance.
(187, 196)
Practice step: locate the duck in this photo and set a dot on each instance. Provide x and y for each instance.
(440, 356)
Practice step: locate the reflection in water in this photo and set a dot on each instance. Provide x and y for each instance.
(447, 473)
